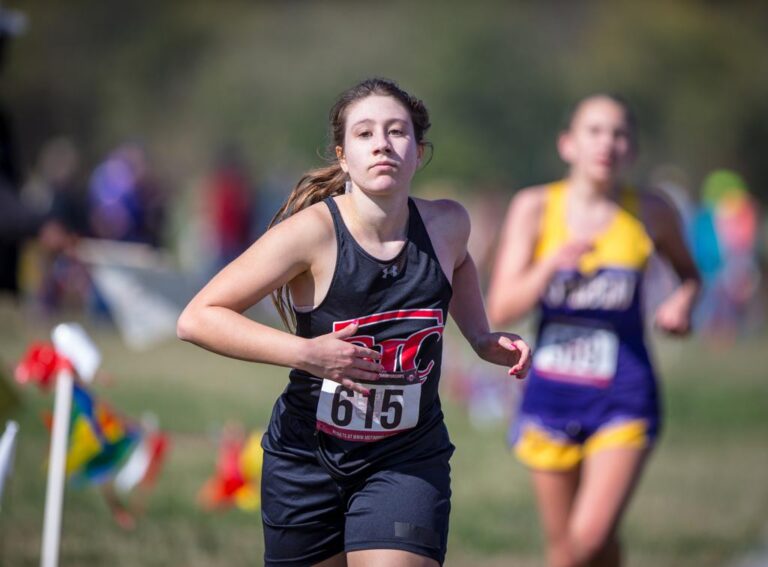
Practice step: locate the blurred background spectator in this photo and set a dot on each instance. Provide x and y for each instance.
(16, 222)
(19, 220)
(126, 204)
(230, 208)
(725, 243)
(58, 280)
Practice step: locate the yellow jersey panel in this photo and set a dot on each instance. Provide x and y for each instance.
(623, 244)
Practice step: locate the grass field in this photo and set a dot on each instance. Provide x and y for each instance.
(703, 500)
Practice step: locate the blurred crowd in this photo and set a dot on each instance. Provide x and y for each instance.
(47, 209)
(725, 230)
(119, 199)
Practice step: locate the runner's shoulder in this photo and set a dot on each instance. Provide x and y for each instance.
(312, 225)
(656, 202)
(525, 210)
(530, 199)
(444, 215)
(658, 211)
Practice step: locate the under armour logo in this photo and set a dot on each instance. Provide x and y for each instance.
(390, 272)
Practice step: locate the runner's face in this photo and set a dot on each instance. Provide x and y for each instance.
(380, 152)
(598, 143)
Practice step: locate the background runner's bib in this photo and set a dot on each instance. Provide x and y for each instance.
(573, 353)
(391, 407)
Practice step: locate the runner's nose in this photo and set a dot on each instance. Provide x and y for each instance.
(382, 145)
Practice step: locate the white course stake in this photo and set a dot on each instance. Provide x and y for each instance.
(54, 494)
(71, 341)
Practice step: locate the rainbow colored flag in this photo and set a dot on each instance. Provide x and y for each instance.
(99, 439)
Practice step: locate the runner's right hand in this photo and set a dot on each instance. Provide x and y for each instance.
(331, 356)
(570, 253)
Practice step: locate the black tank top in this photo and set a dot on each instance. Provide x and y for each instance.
(401, 306)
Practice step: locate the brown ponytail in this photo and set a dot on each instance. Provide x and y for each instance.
(312, 188)
(329, 181)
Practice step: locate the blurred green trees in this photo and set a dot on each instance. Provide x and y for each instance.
(497, 76)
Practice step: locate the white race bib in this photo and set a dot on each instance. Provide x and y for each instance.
(577, 354)
(391, 407)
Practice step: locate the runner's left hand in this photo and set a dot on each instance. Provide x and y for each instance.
(673, 316)
(506, 349)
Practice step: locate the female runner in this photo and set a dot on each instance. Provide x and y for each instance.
(577, 248)
(356, 455)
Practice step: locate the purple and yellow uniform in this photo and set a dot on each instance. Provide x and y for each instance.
(592, 384)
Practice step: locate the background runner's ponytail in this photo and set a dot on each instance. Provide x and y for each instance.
(329, 181)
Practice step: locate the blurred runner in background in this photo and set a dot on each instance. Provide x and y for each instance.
(578, 248)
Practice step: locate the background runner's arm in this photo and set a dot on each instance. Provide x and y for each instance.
(674, 314)
(517, 282)
(468, 311)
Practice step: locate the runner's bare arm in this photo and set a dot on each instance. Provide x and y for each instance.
(517, 282)
(214, 320)
(674, 314)
(466, 306)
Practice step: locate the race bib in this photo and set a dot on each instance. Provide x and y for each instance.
(577, 354)
(391, 407)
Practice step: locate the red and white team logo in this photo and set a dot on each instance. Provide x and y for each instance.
(394, 400)
(399, 355)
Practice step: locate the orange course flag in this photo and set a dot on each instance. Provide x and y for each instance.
(237, 478)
